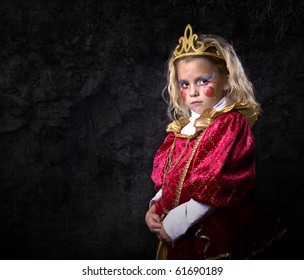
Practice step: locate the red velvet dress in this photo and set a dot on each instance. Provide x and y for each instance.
(215, 166)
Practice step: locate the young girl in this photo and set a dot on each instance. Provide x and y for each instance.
(205, 169)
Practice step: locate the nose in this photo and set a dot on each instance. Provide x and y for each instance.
(193, 91)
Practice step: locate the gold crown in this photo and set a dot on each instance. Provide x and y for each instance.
(186, 46)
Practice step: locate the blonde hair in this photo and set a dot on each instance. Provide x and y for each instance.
(240, 89)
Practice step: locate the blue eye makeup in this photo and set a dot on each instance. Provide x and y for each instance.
(201, 81)
(204, 80)
(183, 83)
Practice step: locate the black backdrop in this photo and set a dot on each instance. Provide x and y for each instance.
(81, 116)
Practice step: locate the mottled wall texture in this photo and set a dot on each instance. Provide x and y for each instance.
(82, 114)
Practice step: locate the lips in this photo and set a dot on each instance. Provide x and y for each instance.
(196, 102)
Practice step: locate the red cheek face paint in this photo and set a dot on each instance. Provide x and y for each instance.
(209, 91)
(184, 96)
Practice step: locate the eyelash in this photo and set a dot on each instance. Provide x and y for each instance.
(183, 85)
(204, 82)
(200, 82)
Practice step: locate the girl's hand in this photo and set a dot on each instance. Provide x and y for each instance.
(164, 236)
(153, 220)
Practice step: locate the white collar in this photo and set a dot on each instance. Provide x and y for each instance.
(221, 104)
(194, 116)
(218, 106)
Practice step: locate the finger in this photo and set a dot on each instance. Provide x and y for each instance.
(155, 230)
(156, 225)
(156, 218)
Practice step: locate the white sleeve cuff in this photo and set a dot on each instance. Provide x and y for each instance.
(184, 216)
(156, 197)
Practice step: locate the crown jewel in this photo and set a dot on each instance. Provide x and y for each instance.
(186, 46)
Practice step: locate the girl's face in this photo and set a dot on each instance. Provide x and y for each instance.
(200, 84)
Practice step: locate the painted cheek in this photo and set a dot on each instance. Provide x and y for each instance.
(184, 96)
(209, 91)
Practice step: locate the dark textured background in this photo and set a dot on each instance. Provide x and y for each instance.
(81, 116)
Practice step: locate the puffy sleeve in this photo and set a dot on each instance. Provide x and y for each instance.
(160, 160)
(223, 169)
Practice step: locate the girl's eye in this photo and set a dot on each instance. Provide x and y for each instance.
(183, 85)
(202, 82)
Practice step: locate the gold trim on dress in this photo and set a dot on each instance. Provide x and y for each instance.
(248, 110)
(170, 166)
(185, 171)
(162, 251)
(279, 234)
